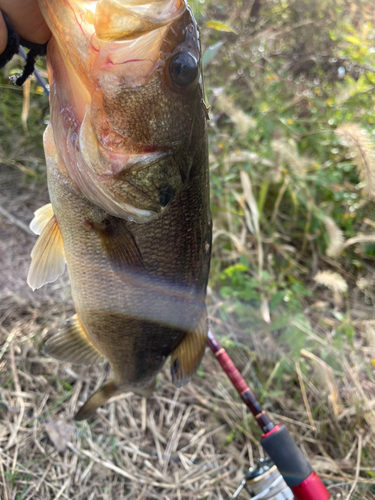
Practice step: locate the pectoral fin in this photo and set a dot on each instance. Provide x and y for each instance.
(119, 244)
(72, 345)
(97, 399)
(47, 256)
(41, 218)
(186, 358)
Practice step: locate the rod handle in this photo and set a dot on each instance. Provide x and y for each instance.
(293, 466)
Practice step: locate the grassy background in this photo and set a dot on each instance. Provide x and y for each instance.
(291, 87)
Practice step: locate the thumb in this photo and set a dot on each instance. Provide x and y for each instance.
(27, 20)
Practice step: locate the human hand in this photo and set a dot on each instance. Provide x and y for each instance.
(27, 20)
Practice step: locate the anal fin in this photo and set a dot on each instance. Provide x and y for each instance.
(186, 358)
(72, 345)
(47, 256)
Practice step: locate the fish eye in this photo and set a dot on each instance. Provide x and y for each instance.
(183, 69)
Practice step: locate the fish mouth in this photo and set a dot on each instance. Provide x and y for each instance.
(102, 34)
(116, 20)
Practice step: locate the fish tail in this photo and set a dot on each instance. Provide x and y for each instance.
(100, 397)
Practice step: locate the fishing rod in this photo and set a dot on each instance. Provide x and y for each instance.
(286, 474)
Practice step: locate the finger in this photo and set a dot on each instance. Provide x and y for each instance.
(26, 19)
(3, 34)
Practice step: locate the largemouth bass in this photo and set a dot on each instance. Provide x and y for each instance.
(127, 167)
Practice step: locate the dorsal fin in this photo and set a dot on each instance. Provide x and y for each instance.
(186, 357)
(71, 344)
(41, 218)
(47, 256)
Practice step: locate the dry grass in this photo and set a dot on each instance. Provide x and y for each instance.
(186, 444)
